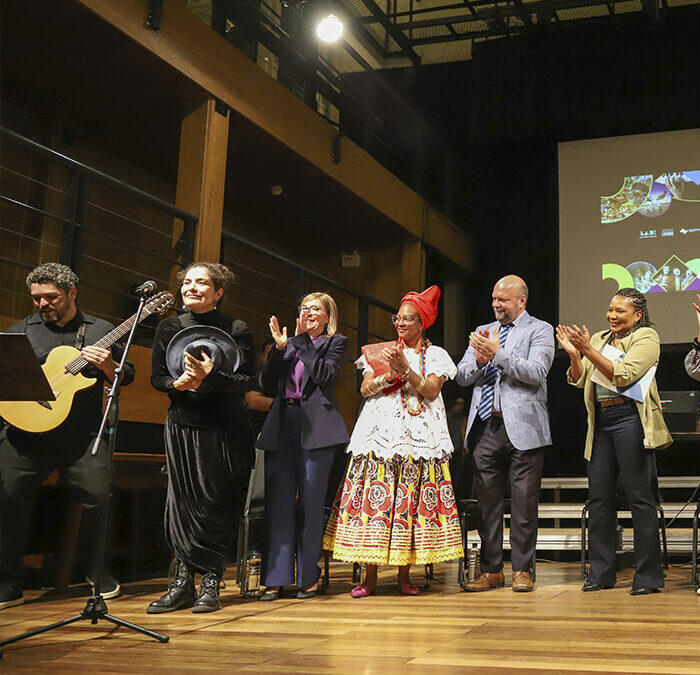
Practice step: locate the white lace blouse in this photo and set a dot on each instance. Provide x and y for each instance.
(386, 429)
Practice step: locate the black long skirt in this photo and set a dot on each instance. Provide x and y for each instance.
(207, 478)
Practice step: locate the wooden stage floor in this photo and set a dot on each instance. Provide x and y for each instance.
(556, 629)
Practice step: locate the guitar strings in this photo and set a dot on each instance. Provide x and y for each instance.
(75, 365)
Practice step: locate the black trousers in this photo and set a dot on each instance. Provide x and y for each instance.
(24, 469)
(497, 462)
(208, 473)
(618, 448)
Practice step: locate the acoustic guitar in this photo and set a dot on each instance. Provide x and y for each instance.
(63, 368)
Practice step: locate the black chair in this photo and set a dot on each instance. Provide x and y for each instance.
(468, 520)
(696, 518)
(622, 505)
(252, 520)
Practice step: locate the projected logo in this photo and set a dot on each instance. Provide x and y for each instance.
(650, 197)
(672, 276)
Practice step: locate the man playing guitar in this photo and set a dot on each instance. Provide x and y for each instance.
(27, 459)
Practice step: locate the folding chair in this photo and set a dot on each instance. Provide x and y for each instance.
(253, 518)
(696, 517)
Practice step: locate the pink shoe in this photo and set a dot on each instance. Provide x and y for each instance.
(361, 591)
(407, 588)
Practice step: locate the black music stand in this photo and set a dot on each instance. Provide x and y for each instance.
(96, 608)
(21, 376)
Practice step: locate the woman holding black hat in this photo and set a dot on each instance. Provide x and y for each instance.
(207, 435)
(396, 505)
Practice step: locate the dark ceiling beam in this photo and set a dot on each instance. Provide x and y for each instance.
(651, 9)
(470, 7)
(491, 12)
(401, 40)
(471, 35)
(489, 34)
(425, 10)
(365, 38)
(523, 13)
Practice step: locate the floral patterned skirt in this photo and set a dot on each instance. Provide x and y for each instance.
(395, 512)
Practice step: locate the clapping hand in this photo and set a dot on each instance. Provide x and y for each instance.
(485, 345)
(279, 336)
(396, 360)
(579, 338)
(563, 339)
(302, 325)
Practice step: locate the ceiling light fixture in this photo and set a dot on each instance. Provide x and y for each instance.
(330, 28)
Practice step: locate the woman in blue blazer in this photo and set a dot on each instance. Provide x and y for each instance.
(300, 435)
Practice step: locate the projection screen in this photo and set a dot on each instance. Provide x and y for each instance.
(629, 215)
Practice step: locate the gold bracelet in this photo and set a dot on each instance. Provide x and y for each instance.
(420, 385)
(380, 382)
(406, 374)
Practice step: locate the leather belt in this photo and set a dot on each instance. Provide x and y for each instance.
(497, 413)
(606, 403)
(293, 401)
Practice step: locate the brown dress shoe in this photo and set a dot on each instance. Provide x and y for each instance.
(485, 582)
(522, 583)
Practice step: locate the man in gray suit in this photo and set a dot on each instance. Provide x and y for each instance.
(507, 361)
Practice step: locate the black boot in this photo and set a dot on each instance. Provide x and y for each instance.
(180, 593)
(208, 597)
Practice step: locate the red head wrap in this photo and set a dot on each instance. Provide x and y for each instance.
(426, 303)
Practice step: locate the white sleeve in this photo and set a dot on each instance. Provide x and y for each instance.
(361, 364)
(438, 362)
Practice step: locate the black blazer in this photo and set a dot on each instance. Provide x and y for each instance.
(322, 425)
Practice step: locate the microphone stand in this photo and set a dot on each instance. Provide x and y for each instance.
(96, 607)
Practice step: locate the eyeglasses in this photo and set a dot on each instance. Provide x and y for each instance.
(311, 309)
(396, 319)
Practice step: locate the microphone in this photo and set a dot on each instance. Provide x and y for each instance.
(146, 288)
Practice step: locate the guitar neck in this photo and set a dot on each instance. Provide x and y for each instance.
(78, 363)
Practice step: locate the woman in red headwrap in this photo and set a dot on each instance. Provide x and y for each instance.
(396, 504)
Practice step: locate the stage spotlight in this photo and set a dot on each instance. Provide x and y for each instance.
(330, 28)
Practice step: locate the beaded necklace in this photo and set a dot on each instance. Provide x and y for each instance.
(404, 399)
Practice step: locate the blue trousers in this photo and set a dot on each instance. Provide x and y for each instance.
(296, 482)
(618, 446)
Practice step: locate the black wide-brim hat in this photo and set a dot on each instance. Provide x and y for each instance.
(219, 346)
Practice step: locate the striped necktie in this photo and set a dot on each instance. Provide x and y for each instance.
(490, 377)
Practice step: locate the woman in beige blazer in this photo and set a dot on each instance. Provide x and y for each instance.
(692, 360)
(622, 435)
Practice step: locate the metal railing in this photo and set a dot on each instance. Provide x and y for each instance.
(112, 234)
(268, 283)
(115, 235)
